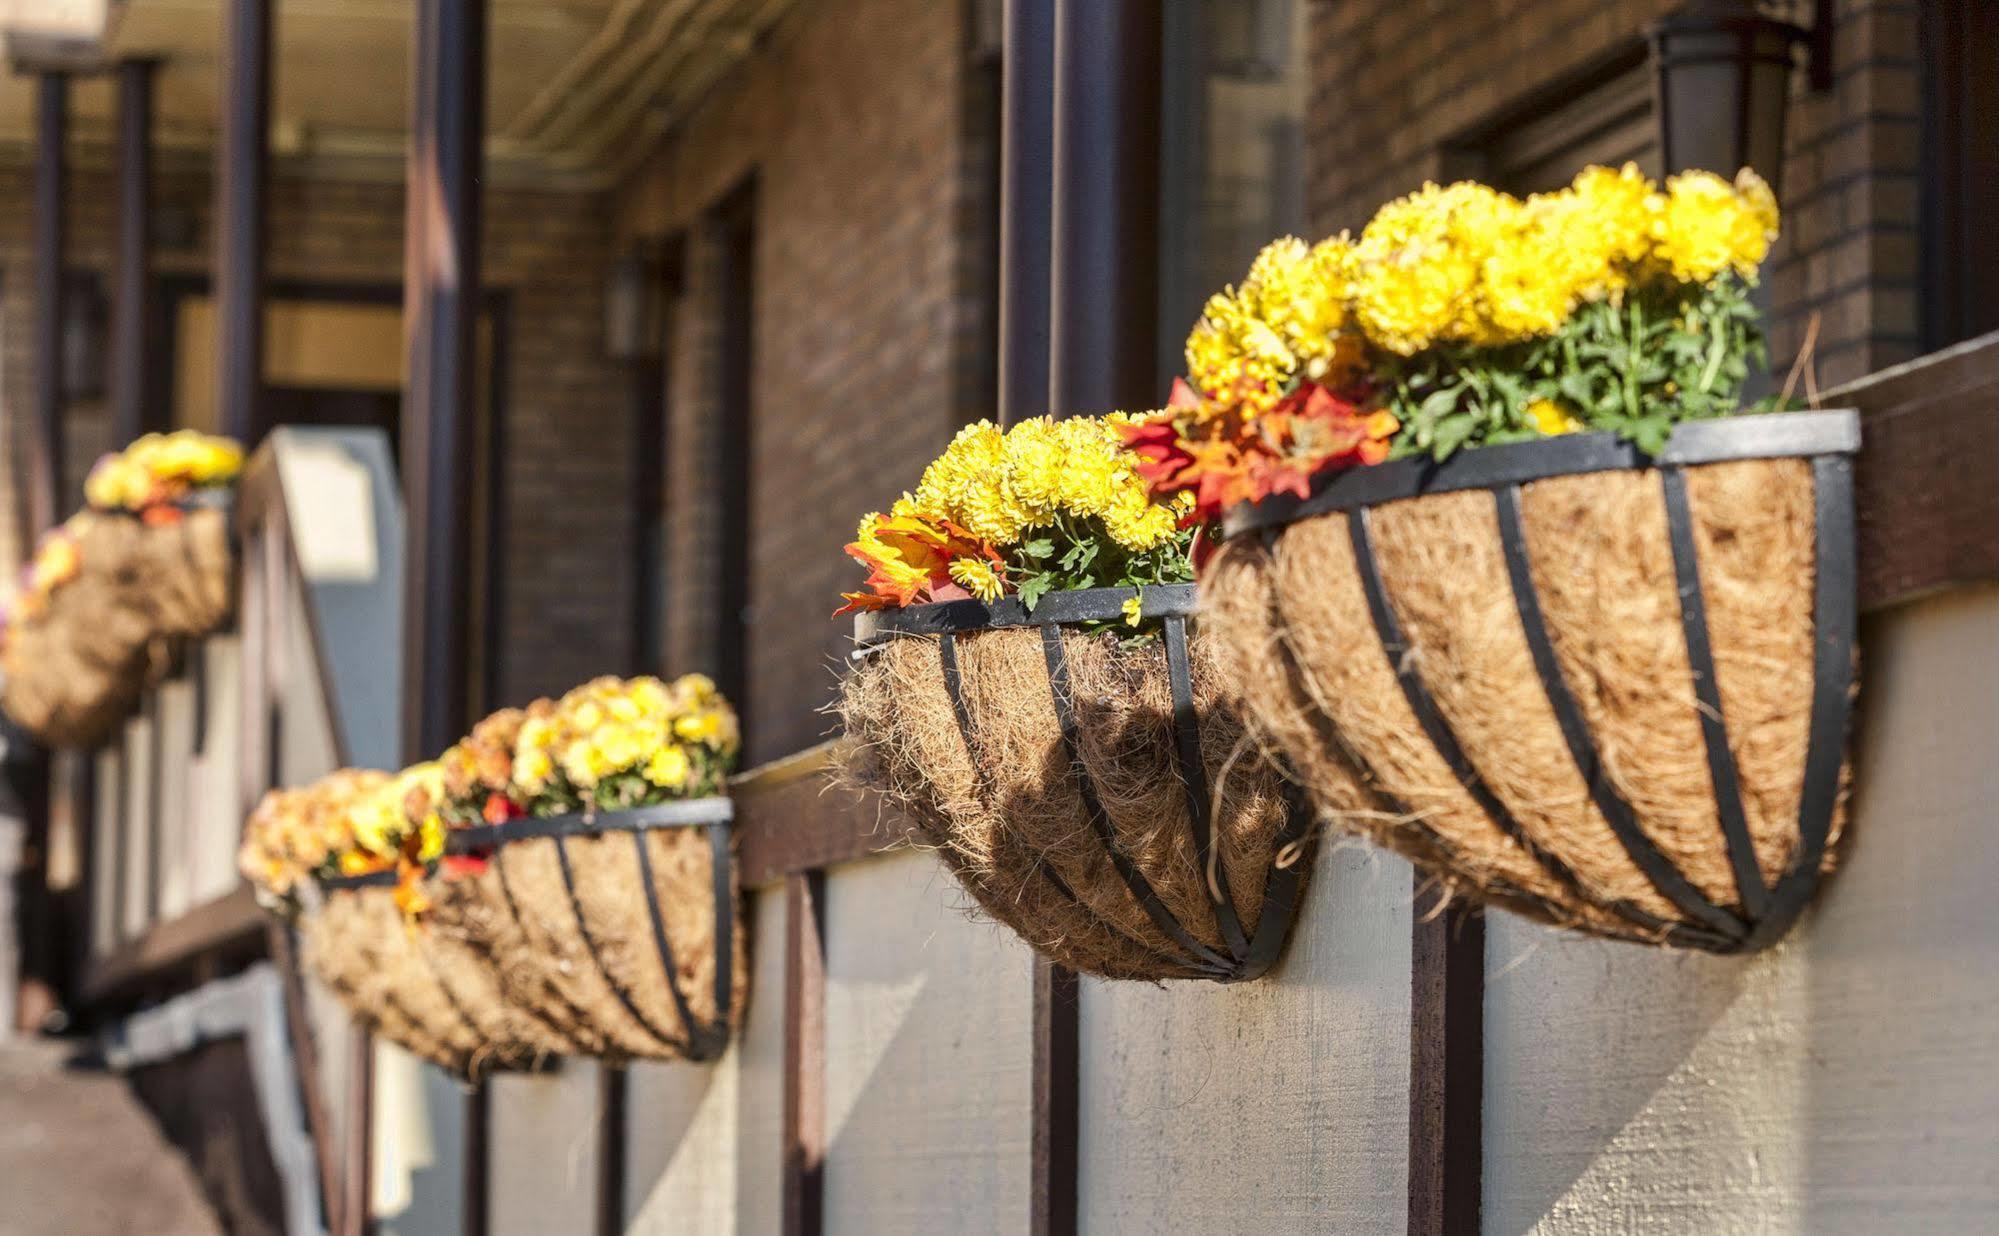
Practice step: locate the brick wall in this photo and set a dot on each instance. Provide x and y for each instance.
(869, 317)
(1394, 82)
(567, 587)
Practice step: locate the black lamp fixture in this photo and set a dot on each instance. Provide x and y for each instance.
(1724, 83)
(632, 306)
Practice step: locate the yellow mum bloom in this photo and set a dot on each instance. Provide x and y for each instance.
(1709, 226)
(668, 768)
(1418, 266)
(1551, 418)
(978, 577)
(1133, 611)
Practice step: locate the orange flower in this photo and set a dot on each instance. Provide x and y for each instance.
(1224, 459)
(909, 561)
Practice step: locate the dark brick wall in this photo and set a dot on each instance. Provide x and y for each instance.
(567, 587)
(1395, 81)
(855, 118)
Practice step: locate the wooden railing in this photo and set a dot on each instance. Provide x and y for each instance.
(268, 701)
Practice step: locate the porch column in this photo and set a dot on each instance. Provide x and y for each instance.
(242, 174)
(1027, 122)
(1099, 329)
(39, 977)
(45, 457)
(1105, 234)
(441, 291)
(132, 272)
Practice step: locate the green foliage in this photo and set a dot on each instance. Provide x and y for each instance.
(1081, 554)
(1635, 366)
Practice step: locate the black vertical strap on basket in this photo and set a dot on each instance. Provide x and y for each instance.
(624, 997)
(954, 686)
(1211, 962)
(1722, 774)
(705, 1040)
(1396, 647)
(1835, 627)
(1194, 784)
(1669, 880)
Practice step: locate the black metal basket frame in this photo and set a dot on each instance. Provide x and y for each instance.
(1829, 440)
(705, 1040)
(1248, 954)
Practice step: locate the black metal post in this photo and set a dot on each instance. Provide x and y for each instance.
(45, 456)
(131, 313)
(1027, 164)
(441, 291)
(441, 315)
(242, 174)
(1104, 295)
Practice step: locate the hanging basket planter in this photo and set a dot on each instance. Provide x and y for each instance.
(75, 668)
(1099, 798)
(412, 987)
(181, 571)
(617, 930)
(1608, 691)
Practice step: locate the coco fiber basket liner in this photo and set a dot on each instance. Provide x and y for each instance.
(414, 987)
(1608, 691)
(1100, 800)
(618, 930)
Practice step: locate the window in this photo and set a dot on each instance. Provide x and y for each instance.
(1604, 116)
(1960, 170)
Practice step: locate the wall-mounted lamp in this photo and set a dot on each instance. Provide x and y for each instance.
(1724, 83)
(633, 308)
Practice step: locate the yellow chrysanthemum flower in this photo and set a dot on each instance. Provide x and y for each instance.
(1709, 226)
(1551, 418)
(977, 576)
(668, 768)
(1418, 265)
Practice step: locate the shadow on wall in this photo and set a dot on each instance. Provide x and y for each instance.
(928, 1056)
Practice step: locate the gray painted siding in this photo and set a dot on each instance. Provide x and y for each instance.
(1847, 1082)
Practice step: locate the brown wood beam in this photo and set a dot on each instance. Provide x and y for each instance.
(231, 921)
(1054, 1130)
(804, 1114)
(131, 309)
(791, 818)
(613, 1090)
(242, 176)
(1924, 483)
(1446, 1066)
(283, 945)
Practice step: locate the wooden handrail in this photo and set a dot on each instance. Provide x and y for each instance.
(230, 922)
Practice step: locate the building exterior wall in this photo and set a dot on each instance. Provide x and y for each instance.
(850, 119)
(566, 586)
(1397, 84)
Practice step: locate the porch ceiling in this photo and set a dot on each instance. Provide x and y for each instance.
(577, 90)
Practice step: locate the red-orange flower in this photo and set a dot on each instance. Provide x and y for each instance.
(909, 561)
(1224, 458)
